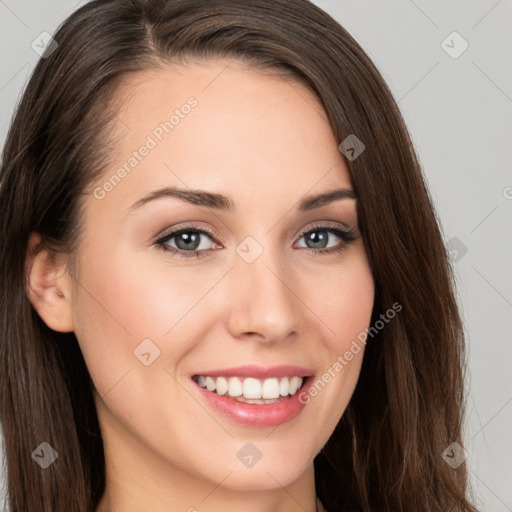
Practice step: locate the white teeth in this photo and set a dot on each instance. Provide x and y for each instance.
(235, 386)
(284, 387)
(251, 388)
(210, 384)
(270, 388)
(295, 384)
(222, 386)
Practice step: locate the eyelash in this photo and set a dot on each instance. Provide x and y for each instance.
(346, 236)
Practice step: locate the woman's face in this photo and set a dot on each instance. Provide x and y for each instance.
(258, 283)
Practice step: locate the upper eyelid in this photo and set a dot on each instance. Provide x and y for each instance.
(174, 232)
(325, 225)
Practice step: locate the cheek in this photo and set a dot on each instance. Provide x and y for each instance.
(116, 307)
(345, 300)
(345, 313)
(124, 299)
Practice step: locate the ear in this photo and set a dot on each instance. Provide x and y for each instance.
(48, 285)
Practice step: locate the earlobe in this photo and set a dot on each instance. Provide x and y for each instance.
(48, 285)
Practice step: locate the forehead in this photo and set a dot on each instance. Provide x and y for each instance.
(220, 124)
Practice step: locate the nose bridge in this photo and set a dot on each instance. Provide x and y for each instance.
(261, 300)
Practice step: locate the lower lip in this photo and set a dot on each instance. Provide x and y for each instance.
(257, 415)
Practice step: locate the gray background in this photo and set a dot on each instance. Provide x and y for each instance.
(459, 112)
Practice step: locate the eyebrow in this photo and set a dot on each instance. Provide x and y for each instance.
(224, 203)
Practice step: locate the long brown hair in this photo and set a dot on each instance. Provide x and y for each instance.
(386, 451)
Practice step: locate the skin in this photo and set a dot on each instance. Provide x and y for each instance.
(263, 141)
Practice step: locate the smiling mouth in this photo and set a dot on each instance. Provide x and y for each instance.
(252, 390)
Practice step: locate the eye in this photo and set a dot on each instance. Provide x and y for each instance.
(185, 240)
(326, 239)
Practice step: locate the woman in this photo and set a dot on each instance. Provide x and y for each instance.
(224, 285)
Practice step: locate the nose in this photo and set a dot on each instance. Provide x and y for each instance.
(261, 303)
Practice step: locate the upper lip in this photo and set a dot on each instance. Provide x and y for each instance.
(260, 372)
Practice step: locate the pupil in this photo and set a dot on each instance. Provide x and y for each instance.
(191, 240)
(318, 237)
